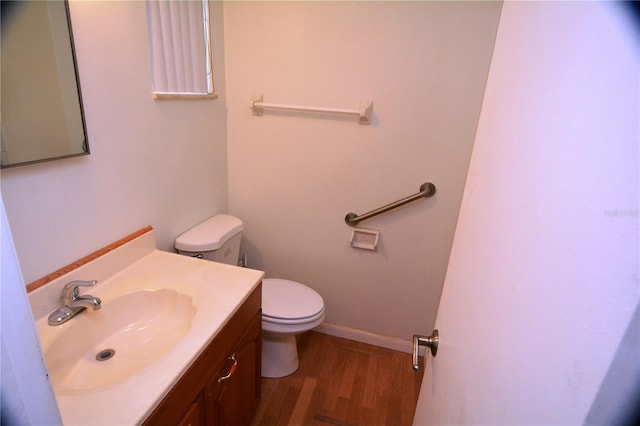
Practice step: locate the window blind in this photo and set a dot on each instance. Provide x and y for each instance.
(180, 47)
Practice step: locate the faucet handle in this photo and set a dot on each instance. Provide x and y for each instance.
(71, 288)
(80, 283)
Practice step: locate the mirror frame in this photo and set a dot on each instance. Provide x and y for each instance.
(85, 142)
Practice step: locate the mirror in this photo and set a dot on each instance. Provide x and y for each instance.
(41, 116)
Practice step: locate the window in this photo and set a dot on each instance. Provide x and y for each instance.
(179, 41)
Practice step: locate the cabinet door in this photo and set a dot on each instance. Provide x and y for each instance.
(231, 398)
(195, 414)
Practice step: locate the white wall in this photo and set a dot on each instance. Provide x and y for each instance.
(159, 163)
(293, 178)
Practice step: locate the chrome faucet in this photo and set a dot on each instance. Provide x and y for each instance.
(73, 303)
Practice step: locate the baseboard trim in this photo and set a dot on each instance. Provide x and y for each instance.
(392, 343)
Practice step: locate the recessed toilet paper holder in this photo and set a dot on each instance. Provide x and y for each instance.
(431, 342)
(365, 238)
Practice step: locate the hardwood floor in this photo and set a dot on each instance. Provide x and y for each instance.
(343, 383)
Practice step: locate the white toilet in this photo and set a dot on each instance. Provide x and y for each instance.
(288, 308)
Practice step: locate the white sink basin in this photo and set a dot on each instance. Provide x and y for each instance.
(137, 328)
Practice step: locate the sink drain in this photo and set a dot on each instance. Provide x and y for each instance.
(105, 354)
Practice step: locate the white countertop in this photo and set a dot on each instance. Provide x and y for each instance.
(216, 289)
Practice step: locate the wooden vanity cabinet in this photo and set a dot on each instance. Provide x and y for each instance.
(203, 396)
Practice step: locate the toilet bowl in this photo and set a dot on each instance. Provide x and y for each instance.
(288, 307)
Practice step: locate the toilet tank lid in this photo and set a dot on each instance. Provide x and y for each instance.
(210, 234)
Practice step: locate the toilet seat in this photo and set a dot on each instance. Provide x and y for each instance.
(266, 318)
(289, 302)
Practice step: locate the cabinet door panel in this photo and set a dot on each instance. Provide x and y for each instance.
(195, 414)
(233, 400)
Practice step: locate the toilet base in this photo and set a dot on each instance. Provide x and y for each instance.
(279, 355)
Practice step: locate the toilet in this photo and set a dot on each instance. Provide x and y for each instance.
(288, 307)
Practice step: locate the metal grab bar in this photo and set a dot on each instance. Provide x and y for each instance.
(426, 190)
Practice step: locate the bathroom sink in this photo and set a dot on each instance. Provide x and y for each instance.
(106, 346)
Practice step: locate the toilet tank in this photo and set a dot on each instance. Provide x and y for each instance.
(217, 238)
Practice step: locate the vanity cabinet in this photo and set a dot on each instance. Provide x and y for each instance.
(222, 386)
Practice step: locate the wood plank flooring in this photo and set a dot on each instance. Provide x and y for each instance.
(341, 382)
